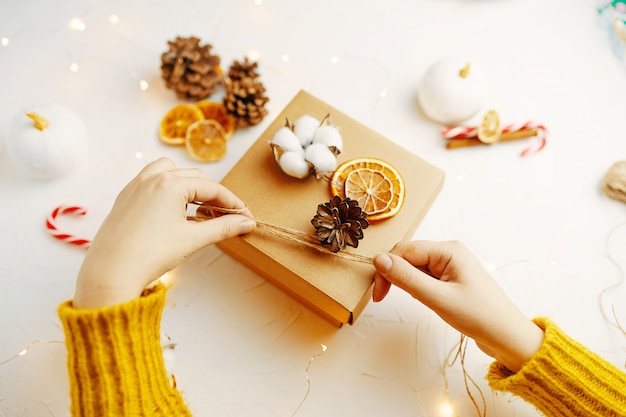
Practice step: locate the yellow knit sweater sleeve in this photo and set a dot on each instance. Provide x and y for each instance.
(564, 379)
(115, 360)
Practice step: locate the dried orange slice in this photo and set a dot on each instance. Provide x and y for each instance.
(173, 128)
(214, 110)
(375, 184)
(370, 188)
(206, 141)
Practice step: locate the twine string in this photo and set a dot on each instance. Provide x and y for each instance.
(207, 212)
(614, 182)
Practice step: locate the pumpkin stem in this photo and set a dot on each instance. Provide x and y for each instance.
(40, 122)
(465, 71)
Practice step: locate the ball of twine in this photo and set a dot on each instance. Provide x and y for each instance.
(614, 184)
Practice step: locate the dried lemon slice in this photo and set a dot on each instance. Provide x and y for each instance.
(214, 110)
(173, 128)
(376, 184)
(206, 141)
(490, 130)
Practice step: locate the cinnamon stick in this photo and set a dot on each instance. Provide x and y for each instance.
(504, 137)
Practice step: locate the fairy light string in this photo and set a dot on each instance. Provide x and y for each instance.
(26, 349)
(458, 353)
(308, 379)
(614, 321)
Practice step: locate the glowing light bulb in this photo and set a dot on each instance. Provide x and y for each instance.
(253, 55)
(285, 58)
(5, 41)
(77, 24)
(334, 59)
(446, 409)
(114, 19)
(74, 67)
(165, 279)
(143, 85)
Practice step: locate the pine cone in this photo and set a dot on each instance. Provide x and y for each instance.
(244, 97)
(246, 69)
(190, 69)
(339, 223)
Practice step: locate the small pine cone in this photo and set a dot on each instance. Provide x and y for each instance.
(339, 223)
(245, 96)
(242, 70)
(190, 69)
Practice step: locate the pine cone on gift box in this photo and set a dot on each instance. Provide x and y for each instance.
(245, 94)
(190, 69)
(339, 223)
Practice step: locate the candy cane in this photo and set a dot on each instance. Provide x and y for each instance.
(542, 135)
(66, 237)
(459, 132)
(464, 132)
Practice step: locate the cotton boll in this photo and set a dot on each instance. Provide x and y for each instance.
(329, 136)
(323, 159)
(304, 129)
(287, 140)
(293, 164)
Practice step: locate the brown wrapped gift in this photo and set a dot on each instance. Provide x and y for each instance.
(336, 288)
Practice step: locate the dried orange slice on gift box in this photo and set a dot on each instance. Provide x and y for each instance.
(375, 184)
(206, 141)
(214, 110)
(173, 128)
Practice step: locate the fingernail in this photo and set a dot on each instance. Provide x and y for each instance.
(246, 227)
(382, 262)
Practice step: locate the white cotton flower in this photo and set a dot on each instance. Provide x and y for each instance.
(307, 146)
(293, 164)
(304, 129)
(287, 140)
(329, 136)
(323, 159)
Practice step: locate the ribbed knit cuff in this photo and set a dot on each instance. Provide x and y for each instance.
(115, 360)
(564, 379)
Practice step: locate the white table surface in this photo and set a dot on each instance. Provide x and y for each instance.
(540, 223)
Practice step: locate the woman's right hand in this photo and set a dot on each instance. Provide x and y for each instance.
(449, 279)
(147, 232)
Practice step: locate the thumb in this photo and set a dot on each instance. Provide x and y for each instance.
(401, 273)
(223, 227)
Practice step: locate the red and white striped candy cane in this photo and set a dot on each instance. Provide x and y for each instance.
(541, 129)
(464, 132)
(459, 132)
(66, 237)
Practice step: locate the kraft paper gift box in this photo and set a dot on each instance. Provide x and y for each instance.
(336, 288)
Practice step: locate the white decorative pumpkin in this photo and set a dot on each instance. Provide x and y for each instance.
(46, 141)
(452, 90)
